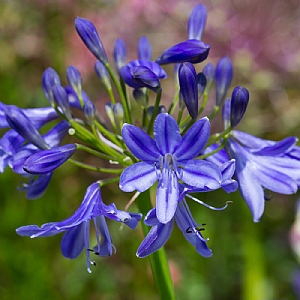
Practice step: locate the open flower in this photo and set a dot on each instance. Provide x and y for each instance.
(168, 158)
(77, 227)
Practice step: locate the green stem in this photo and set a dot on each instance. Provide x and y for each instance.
(95, 169)
(155, 111)
(158, 260)
(120, 92)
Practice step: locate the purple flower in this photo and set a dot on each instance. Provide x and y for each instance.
(239, 103)
(193, 51)
(168, 158)
(260, 164)
(142, 73)
(77, 227)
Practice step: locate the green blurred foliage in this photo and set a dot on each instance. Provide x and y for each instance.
(250, 261)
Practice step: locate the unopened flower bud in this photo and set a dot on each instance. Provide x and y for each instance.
(49, 79)
(188, 88)
(144, 49)
(62, 101)
(89, 35)
(197, 22)
(239, 103)
(140, 97)
(209, 72)
(102, 73)
(119, 53)
(201, 84)
(74, 79)
(224, 74)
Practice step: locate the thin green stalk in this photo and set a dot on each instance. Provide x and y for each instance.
(214, 112)
(155, 111)
(217, 137)
(175, 101)
(158, 260)
(95, 169)
(120, 92)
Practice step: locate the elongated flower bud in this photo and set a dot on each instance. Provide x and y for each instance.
(201, 83)
(49, 79)
(224, 74)
(239, 103)
(144, 49)
(226, 113)
(74, 79)
(140, 97)
(18, 121)
(89, 111)
(61, 99)
(193, 51)
(46, 161)
(188, 88)
(119, 53)
(197, 22)
(89, 35)
(102, 73)
(209, 72)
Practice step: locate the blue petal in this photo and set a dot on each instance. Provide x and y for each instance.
(218, 158)
(18, 160)
(56, 134)
(194, 140)
(72, 242)
(38, 187)
(227, 171)
(167, 199)
(155, 239)
(105, 248)
(33, 231)
(140, 144)
(249, 140)
(188, 226)
(151, 218)
(11, 142)
(166, 134)
(139, 176)
(201, 174)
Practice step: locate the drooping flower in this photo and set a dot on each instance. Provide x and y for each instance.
(77, 227)
(168, 158)
(260, 164)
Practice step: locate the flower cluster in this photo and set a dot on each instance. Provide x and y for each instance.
(180, 154)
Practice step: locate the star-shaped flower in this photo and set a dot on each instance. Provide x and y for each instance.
(168, 158)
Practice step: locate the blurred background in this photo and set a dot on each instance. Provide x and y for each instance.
(250, 261)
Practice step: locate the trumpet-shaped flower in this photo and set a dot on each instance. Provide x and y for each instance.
(168, 158)
(77, 227)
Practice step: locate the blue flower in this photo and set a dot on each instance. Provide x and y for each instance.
(260, 164)
(168, 158)
(77, 227)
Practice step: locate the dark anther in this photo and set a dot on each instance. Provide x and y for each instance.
(95, 252)
(189, 230)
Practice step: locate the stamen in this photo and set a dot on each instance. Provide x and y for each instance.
(209, 206)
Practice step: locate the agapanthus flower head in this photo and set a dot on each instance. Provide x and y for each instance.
(47, 161)
(197, 22)
(49, 79)
(119, 53)
(189, 88)
(223, 78)
(89, 35)
(239, 103)
(167, 159)
(144, 49)
(77, 227)
(193, 51)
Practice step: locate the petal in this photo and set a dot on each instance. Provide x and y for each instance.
(218, 158)
(167, 199)
(201, 174)
(139, 176)
(155, 239)
(38, 187)
(33, 231)
(105, 248)
(151, 218)
(56, 134)
(140, 144)
(11, 142)
(72, 242)
(166, 133)
(194, 140)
